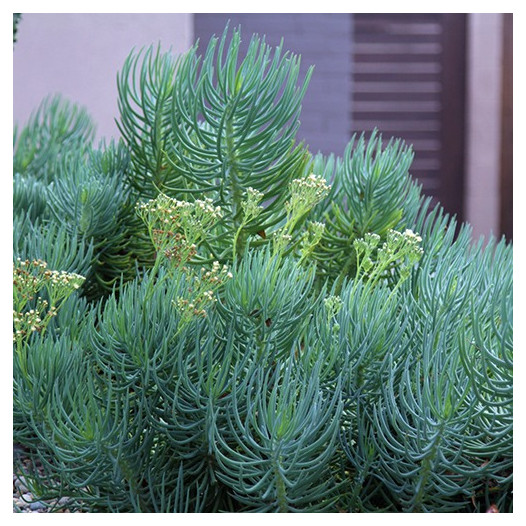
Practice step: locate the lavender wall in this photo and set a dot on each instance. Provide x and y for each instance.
(78, 55)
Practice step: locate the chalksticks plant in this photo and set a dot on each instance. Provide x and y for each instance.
(209, 318)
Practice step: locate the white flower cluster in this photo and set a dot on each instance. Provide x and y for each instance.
(31, 278)
(63, 278)
(409, 234)
(317, 229)
(30, 320)
(170, 209)
(399, 250)
(33, 275)
(308, 191)
(254, 194)
(176, 227)
(207, 206)
(407, 242)
(217, 273)
(251, 207)
(35, 263)
(313, 181)
(203, 291)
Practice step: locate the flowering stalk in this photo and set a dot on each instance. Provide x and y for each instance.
(176, 228)
(400, 251)
(333, 305)
(44, 290)
(305, 193)
(311, 238)
(251, 210)
(202, 292)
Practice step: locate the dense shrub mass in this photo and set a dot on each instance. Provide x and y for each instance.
(207, 317)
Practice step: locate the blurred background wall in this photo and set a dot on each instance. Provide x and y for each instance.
(79, 55)
(440, 81)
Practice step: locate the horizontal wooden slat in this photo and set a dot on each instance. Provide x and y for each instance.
(396, 87)
(397, 67)
(394, 97)
(425, 145)
(397, 125)
(394, 117)
(378, 58)
(383, 106)
(399, 29)
(396, 77)
(398, 39)
(429, 161)
(402, 18)
(429, 185)
(396, 48)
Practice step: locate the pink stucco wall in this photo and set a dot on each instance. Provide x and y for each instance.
(78, 55)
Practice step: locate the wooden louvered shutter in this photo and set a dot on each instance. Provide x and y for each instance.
(409, 82)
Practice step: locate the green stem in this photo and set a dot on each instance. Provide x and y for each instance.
(237, 191)
(129, 476)
(342, 275)
(153, 273)
(425, 473)
(280, 485)
(236, 241)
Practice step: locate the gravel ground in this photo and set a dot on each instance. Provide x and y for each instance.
(24, 501)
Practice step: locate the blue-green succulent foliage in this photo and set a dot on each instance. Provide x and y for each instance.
(355, 356)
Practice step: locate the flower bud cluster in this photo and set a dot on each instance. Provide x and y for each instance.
(311, 238)
(26, 278)
(316, 230)
(364, 249)
(64, 279)
(281, 239)
(400, 250)
(31, 276)
(33, 320)
(168, 209)
(32, 279)
(400, 245)
(306, 193)
(176, 247)
(203, 291)
(176, 227)
(333, 304)
(250, 205)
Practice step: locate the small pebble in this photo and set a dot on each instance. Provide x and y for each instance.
(20, 485)
(37, 506)
(26, 497)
